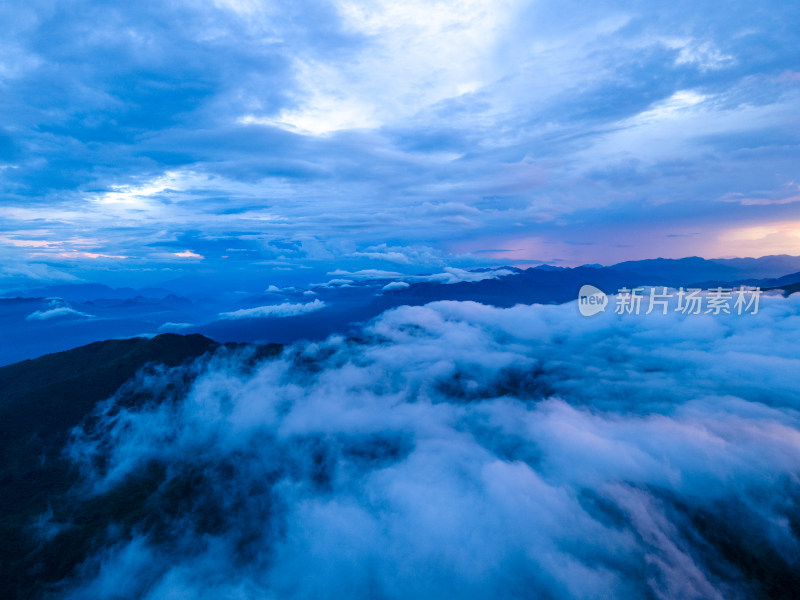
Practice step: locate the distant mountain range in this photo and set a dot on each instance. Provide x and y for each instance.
(548, 285)
(59, 317)
(698, 269)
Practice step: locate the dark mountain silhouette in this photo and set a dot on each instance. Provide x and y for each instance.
(790, 284)
(683, 271)
(764, 267)
(41, 400)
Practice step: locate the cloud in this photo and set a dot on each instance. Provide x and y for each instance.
(335, 283)
(454, 275)
(34, 272)
(769, 238)
(62, 311)
(367, 274)
(169, 326)
(462, 450)
(428, 127)
(450, 275)
(401, 255)
(703, 54)
(55, 307)
(187, 254)
(287, 309)
(413, 56)
(395, 285)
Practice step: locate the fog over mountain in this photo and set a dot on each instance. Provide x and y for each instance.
(452, 450)
(317, 300)
(60, 317)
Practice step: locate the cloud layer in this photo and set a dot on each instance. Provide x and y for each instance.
(286, 309)
(460, 450)
(53, 309)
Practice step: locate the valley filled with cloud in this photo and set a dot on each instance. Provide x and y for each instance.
(306, 299)
(456, 450)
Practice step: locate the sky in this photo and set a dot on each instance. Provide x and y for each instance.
(140, 142)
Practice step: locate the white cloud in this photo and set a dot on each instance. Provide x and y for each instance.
(454, 275)
(450, 275)
(367, 274)
(414, 55)
(38, 272)
(670, 108)
(169, 326)
(52, 313)
(187, 254)
(704, 54)
(287, 309)
(404, 255)
(462, 450)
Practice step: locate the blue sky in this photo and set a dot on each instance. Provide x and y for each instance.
(143, 141)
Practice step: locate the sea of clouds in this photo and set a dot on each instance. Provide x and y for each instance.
(457, 450)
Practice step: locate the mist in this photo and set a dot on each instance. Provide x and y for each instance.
(460, 450)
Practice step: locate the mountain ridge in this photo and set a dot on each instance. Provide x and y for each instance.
(41, 400)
